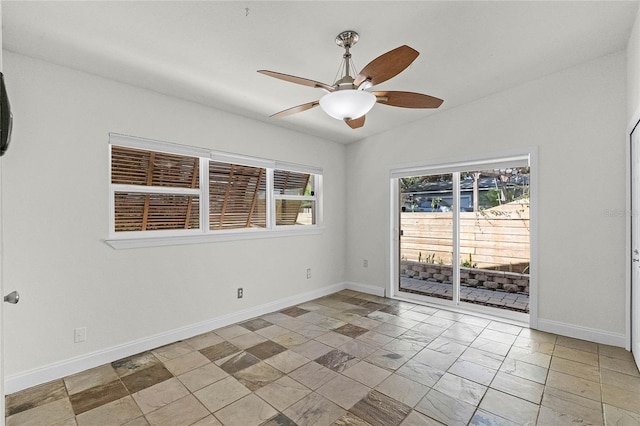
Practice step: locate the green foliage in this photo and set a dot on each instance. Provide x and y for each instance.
(491, 198)
(430, 258)
(408, 182)
(308, 190)
(435, 203)
(468, 263)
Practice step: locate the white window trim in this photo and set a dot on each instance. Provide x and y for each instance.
(219, 236)
(295, 197)
(139, 239)
(153, 145)
(155, 189)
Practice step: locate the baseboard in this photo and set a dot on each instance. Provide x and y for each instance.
(365, 288)
(583, 333)
(16, 382)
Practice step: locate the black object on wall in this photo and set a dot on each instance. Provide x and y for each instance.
(6, 118)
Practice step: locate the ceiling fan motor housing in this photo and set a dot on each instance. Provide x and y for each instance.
(347, 38)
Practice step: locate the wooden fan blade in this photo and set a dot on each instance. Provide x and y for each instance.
(408, 99)
(387, 65)
(356, 123)
(297, 80)
(296, 109)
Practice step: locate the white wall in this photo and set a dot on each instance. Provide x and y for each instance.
(576, 118)
(56, 211)
(633, 69)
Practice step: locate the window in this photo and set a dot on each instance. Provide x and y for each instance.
(295, 198)
(237, 196)
(154, 190)
(184, 194)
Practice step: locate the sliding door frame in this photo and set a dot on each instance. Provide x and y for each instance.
(452, 165)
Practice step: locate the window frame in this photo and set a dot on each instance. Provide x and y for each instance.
(134, 239)
(523, 157)
(317, 183)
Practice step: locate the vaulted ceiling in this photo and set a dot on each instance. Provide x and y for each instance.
(209, 51)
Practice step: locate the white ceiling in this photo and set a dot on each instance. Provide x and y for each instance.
(209, 51)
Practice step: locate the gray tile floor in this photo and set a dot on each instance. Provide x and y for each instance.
(350, 359)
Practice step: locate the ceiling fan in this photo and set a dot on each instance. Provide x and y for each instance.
(348, 98)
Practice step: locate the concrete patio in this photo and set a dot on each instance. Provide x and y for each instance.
(495, 298)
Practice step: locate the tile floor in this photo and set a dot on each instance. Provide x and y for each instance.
(350, 359)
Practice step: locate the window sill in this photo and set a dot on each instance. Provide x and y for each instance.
(128, 243)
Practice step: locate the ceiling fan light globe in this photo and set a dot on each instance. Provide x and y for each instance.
(347, 104)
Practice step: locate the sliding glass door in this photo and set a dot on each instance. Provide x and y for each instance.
(463, 235)
(426, 223)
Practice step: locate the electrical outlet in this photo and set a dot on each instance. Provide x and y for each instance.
(240, 292)
(80, 334)
(308, 273)
(365, 263)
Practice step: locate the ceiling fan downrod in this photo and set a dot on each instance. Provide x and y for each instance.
(346, 40)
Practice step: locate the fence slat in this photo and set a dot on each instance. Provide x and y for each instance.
(494, 237)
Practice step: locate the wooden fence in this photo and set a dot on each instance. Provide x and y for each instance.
(496, 238)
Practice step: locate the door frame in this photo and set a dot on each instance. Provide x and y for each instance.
(2, 405)
(444, 165)
(629, 342)
(2, 419)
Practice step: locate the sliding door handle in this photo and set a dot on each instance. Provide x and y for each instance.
(13, 297)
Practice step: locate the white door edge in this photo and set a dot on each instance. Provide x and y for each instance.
(632, 288)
